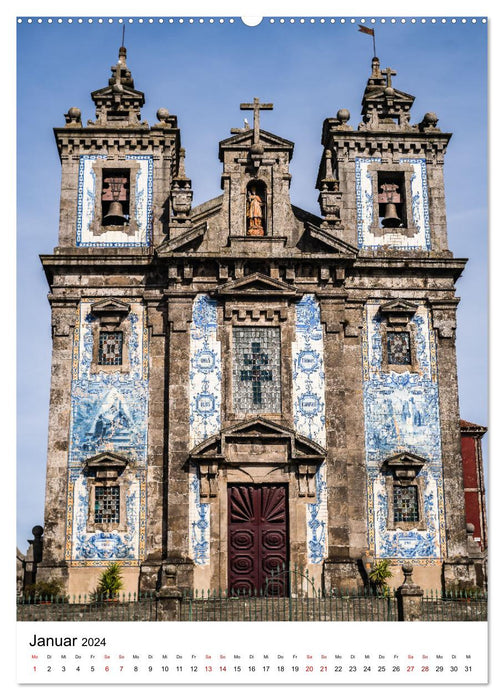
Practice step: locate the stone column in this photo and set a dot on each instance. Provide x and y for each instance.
(455, 566)
(53, 565)
(156, 463)
(169, 597)
(409, 597)
(346, 479)
(168, 604)
(178, 360)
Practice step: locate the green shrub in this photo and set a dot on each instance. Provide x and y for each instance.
(109, 583)
(379, 575)
(45, 589)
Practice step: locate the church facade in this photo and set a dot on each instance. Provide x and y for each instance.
(243, 386)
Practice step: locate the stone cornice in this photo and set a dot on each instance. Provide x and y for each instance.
(330, 128)
(454, 266)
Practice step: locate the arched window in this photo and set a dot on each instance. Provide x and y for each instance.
(256, 208)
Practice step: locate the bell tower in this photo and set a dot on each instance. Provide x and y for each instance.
(117, 171)
(382, 190)
(123, 186)
(382, 184)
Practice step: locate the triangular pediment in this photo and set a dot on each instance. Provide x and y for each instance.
(398, 306)
(108, 460)
(257, 284)
(258, 427)
(109, 91)
(398, 311)
(245, 137)
(398, 95)
(330, 241)
(258, 431)
(106, 306)
(405, 460)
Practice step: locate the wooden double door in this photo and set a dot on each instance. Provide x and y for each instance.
(258, 540)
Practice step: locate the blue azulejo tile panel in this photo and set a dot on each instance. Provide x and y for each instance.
(199, 523)
(108, 414)
(205, 374)
(401, 412)
(364, 198)
(367, 208)
(99, 545)
(89, 232)
(308, 395)
(419, 203)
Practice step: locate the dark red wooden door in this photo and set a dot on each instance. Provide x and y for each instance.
(257, 540)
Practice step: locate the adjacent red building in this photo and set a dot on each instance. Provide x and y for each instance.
(474, 483)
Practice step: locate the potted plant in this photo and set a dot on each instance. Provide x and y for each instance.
(378, 577)
(109, 584)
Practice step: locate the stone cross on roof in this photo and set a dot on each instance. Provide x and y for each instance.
(256, 106)
(389, 73)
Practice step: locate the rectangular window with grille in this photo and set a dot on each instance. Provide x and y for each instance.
(110, 348)
(106, 504)
(398, 348)
(405, 504)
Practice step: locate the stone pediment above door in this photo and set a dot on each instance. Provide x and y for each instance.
(256, 443)
(258, 285)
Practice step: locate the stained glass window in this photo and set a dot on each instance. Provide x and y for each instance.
(256, 370)
(110, 348)
(398, 348)
(405, 504)
(106, 504)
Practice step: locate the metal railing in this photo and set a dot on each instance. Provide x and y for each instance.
(454, 606)
(304, 603)
(88, 607)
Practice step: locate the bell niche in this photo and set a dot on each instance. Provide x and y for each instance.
(115, 198)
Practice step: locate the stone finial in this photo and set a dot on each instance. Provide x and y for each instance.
(473, 548)
(384, 107)
(162, 114)
(73, 117)
(429, 122)
(37, 543)
(375, 68)
(407, 570)
(342, 118)
(181, 168)
(118, 102)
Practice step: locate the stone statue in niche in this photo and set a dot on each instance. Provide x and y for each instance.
(255, 219)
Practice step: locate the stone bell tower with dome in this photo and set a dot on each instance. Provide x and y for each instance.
(242, 385)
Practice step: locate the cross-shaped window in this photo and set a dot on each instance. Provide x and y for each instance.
(256, 359)
(256, 370)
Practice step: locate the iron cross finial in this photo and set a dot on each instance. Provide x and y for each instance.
(256, 106)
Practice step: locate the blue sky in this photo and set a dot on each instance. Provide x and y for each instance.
(201, 73)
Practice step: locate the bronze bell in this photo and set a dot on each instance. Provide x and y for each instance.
(390, 197)
(115, 215)
(391, 219)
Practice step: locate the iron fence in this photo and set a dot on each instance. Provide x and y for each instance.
(255, 606)
(454, 606)
(88, 608)
(243, 606)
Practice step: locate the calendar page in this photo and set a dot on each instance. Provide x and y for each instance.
(255, 426)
